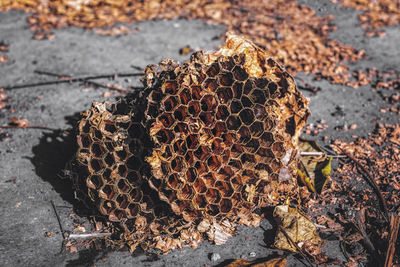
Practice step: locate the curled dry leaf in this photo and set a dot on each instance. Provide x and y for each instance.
(313, 171)
(20, 123)
(294, 224)
(276, 262)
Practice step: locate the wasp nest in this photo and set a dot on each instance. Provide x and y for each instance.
(204, 145)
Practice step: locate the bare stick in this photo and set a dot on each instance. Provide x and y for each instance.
(302, 253)
(89, 236)
(368, 177)
(318, 154)
(58, 219)
(67, 77)
(29, 127)
(394, 232)
(77, 79)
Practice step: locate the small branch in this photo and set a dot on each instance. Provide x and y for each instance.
(319, 154)
(302, 253)
(89, 236)
(77, 79)
(394, 232)
(58, 219)
(368, 177)
(29, 127)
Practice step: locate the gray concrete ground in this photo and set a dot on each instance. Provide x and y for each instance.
(31, 160)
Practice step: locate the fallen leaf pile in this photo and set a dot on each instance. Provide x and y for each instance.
(293, 33)
(375, 14)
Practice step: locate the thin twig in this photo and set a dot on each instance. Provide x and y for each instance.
(302, 253)
(318, 154)
(58, 219)
(394, 232)
(67, 77)
(76, 79)
(29, 127)
(368, 177)
(89, 236)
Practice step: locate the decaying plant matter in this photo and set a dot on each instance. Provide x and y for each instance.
(196, 152)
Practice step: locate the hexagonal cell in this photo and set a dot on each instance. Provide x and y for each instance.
(213, 70)
(248, 86)
(225, 188)
(196, 92)
(199, 186)
(284, 84)
(189, 158)
(167, 154)
(84, 140)
(117, 215)
(174, 182)
(208, 103)
(207, 118)
(219, 129)
(225, 173)
(278, 149)
(194, 108)
(95, 165)
(170, 103)
(200, 202)
(106, 192)
(122, 170)
(180, 147)
(97, 149)
(108, 127)
(239, 59)
(267, 139)
(168, 195)
(258, 96)
(156, 95)
(225, 94)
(133, 210)
(107, 175)
(123, 186)
(185, 96)
(212, 210)
(236, 150)
(260, 112)
(202, 153)
(240, 73)
(225, 79)
(247, 160)
(233, 122)
(265, 152)
(96, 134)
(165, 136)
(134, 163)
(192, 141)
(109, 159)
(180, 113)
(236, 182)
(120, 155)
(94, 182)
(209, 179)
(256, 129)
(201, 167)
(273, 90)
(136, 194)
(134, 178)
(226, 63)
(246, 102)
(275, 165)
(210, 84)
(106, 207)
(228, 138)
(214, 162)
(226, 205)
(84, 126)
(186, 192)
(181, 127)
(166, 119)
(177, 164)
(213, 195)
(169, 87)
(252, 145)
(236, 106)
(244, 134)
(122, 201)
(217, 146)
(136, 130)
(191, 175)
(222, 112)
(237, 88)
